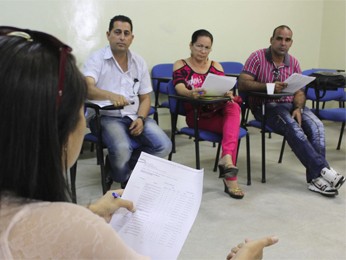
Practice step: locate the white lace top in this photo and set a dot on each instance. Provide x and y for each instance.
(58, 230)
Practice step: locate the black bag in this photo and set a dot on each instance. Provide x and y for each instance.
(327, 80)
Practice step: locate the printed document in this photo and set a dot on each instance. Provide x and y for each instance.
(167, 197)
(217, 85)
(104, 103)
(297, 81)
(101, 103)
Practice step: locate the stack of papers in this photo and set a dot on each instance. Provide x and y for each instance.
(217, 85)
(297, 81)
(167, 197)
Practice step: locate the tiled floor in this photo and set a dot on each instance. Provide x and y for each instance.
(309, 225)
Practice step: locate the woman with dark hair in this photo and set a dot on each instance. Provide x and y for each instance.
(188, 77)
(41, 133)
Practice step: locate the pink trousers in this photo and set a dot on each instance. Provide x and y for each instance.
(226, 122)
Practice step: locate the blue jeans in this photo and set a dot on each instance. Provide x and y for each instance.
(307, 141)
(124, 149)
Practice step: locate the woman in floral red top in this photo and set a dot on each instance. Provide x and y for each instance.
(188, 76)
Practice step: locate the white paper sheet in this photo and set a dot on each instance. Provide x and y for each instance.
(101, 103)
(217, 85)
(167, 197)
(297, 81)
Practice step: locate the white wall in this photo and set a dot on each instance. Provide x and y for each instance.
(333, 38)
(163, 28)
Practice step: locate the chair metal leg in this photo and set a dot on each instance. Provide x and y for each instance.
(73, 171)
(198, 164)
(217, 157)
(248, 160)
(236, 159)
(195, 119)
(340, 136)
(100, 159)
(173, 132)
(157, 92)
(282, 150)
(156, 116)
(263, 138)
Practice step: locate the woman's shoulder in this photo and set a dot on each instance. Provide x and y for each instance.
(66, 230)
(56, 212)
(179, 64)
(217, 65)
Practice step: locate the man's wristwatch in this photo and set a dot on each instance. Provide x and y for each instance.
(142, 118)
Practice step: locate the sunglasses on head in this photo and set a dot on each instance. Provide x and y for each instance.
(47, 40)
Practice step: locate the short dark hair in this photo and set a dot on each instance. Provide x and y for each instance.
(281, 27)
(34, 127)
(199, 33)
(121, 18)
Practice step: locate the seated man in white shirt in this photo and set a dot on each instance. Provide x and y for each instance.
(119, 75)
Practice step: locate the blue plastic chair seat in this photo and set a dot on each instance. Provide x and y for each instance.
(152, 111)
(203, 135)
(90, 138)
(333, 114)
(165, 104)
(210, 136)
(258, 124)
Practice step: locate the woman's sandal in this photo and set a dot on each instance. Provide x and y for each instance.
(227, 169)
(235, 193)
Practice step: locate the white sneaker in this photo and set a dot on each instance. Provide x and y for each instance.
(334, 178)
(322, 186)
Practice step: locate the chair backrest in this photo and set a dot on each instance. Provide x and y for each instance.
(329, 95)
(161, 70)
(232, 67)
(175, 106)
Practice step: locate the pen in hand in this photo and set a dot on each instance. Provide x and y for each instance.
(115, 195)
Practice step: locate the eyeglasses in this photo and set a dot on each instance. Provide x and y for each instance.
(201, 47)
(276, 73)
(47, 40)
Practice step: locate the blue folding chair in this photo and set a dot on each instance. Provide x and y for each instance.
(329, 114)
(335, 115)
(177, 109)
(258, 124)
(160, 75)
(328, 95)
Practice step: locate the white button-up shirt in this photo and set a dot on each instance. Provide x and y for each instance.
(108, 75)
